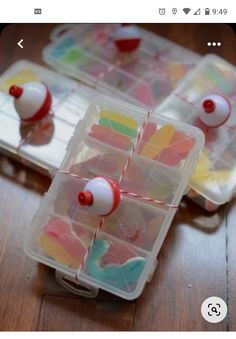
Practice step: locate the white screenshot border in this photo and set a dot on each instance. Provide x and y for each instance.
(71, 11)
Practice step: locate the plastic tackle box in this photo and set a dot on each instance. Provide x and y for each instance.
(87, 53)
(122, 255)
(214, 181)
(41, 145)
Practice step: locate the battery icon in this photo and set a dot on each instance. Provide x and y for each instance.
(207, 11)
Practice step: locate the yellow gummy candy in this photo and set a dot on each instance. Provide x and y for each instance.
(55, 250)
(177, 71)
(203, 172)
(158, 141)
(121, 119)
(203, 167)
(221, 176)
(19, 78)
(213, 176)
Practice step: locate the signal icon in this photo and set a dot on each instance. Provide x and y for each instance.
(186, 10)
(198, 12)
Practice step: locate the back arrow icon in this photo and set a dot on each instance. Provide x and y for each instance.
(19, 43)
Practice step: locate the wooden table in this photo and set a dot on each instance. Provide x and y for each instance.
(197, 260)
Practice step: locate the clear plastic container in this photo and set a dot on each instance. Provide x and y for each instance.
(41, 145)
(123, 256)
(214, 180)
(87, 53)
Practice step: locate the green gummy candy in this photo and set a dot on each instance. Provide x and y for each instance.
(72, 56)
(219, 80)
(213, 75)
(118, 127)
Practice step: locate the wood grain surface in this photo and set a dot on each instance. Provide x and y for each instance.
(197, 260)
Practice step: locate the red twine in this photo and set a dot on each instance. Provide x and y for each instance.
(123, 192)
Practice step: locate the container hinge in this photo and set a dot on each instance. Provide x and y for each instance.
(72, 285)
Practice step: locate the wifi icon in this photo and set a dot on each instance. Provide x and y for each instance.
(186, 10)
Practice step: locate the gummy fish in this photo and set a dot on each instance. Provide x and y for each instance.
(203, 172)
(61, 243)
(113, 274)
(158, 141)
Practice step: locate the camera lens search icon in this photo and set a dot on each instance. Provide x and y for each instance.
(214, 309)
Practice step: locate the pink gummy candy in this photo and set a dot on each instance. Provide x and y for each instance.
(181, 143)
(169, 158)
(144, 94)
(178, 149)
(62, 232)
(56, 226)
(108, 136)
(150, 129)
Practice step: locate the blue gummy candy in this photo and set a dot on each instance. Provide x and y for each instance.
(113, 274)
(62, 48)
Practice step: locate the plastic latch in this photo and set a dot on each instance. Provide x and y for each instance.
(82, 289)
(152, 270)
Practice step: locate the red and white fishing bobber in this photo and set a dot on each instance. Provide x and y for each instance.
(215, 111)
(32, 101)
(101, 195)
(127, 38)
